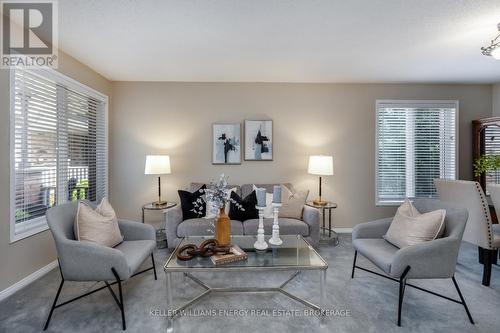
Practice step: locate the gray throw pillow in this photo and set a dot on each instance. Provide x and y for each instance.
(409, 227)
(292, 203)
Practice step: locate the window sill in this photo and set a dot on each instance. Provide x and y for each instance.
(388, 203)
(29, 231)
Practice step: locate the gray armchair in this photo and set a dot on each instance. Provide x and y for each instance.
(434, 259)
(86, 261)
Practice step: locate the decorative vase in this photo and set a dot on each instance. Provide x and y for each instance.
(223, 229)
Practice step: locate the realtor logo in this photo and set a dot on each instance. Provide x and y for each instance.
(29, 33)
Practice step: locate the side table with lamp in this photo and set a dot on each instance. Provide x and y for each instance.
(161, 238)
(322, 165)
(158, 165)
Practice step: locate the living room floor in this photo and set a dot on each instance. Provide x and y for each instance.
(371, 302)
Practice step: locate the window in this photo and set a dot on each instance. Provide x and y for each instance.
(416, 143)
(58, 146)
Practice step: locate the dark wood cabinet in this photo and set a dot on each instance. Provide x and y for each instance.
(486, 141)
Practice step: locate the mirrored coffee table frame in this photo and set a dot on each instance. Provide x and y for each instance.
(294, 255)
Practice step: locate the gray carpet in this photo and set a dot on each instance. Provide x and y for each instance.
(370, 302)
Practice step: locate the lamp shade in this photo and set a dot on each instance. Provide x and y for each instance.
(157, 165)
(321, 165)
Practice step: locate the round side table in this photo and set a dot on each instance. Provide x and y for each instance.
(161, 237)
(327, 234)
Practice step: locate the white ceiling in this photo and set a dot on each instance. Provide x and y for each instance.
(283, 40)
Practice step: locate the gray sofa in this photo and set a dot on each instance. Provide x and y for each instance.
(307, 226)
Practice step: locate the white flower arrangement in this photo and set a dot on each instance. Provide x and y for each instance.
(218, 194)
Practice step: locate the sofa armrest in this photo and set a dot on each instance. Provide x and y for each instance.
(173, 218)
(87, 261)
(432, 260)
(132, 230)
(310, 216)
(373, 229)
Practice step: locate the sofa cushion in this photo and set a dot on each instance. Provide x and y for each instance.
(204, 227)
(246, 189)
(377, 250)
(196, 186)
(187, 203)
(135, 252)
(287, 227)
(246, 209)
(293, 203)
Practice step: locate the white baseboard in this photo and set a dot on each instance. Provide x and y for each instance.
(343, 230)
(27, 280)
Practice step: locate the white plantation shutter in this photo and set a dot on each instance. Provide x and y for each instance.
(416, 143)
(59, 138)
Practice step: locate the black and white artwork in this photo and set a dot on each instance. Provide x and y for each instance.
(259, 140)
(226, 144)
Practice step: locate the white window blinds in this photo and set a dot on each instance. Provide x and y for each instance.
(416, 143)
(59, 146)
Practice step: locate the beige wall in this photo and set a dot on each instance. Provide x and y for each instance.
(337, 119)
(19, 259)
(496, 100)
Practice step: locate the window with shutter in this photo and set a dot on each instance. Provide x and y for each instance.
(58, 146)
(416, 142)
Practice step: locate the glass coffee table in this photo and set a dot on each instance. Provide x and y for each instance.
(294, 255)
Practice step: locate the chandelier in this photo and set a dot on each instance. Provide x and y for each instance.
(493, 50)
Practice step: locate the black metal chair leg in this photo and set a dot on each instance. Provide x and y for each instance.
(54, 304)
(402, 285)
(354, 264)
(154, 265)
(486, 267)
(462, 299)
(480, 253)
(122, 306)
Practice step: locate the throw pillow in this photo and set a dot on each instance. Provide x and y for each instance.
(248, 204)
(268, 211)
(409, 227)
(91, 226)
(106, 210)
(212, 211)
(188, 198)
(292, 203)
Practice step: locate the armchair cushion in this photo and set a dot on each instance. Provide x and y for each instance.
(373, 229)
(135, 252)
(132, 230)
(377, 250)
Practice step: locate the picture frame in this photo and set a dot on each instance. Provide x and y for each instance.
(226, 143)
(259, 144)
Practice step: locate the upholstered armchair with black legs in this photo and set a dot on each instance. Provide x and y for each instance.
(434, 259)
(86, 261)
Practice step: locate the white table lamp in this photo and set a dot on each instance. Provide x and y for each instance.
(158, 165)
(320, 165)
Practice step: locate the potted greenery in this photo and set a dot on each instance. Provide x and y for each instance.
(486, 163)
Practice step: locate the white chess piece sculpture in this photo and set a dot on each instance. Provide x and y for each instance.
(275, 239)
(260, 244)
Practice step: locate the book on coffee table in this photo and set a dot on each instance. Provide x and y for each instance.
(237, 254)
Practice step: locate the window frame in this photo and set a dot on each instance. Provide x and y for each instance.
(414, 104)
(39, 224)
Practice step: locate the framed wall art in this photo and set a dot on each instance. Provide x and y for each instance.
(259, 140)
